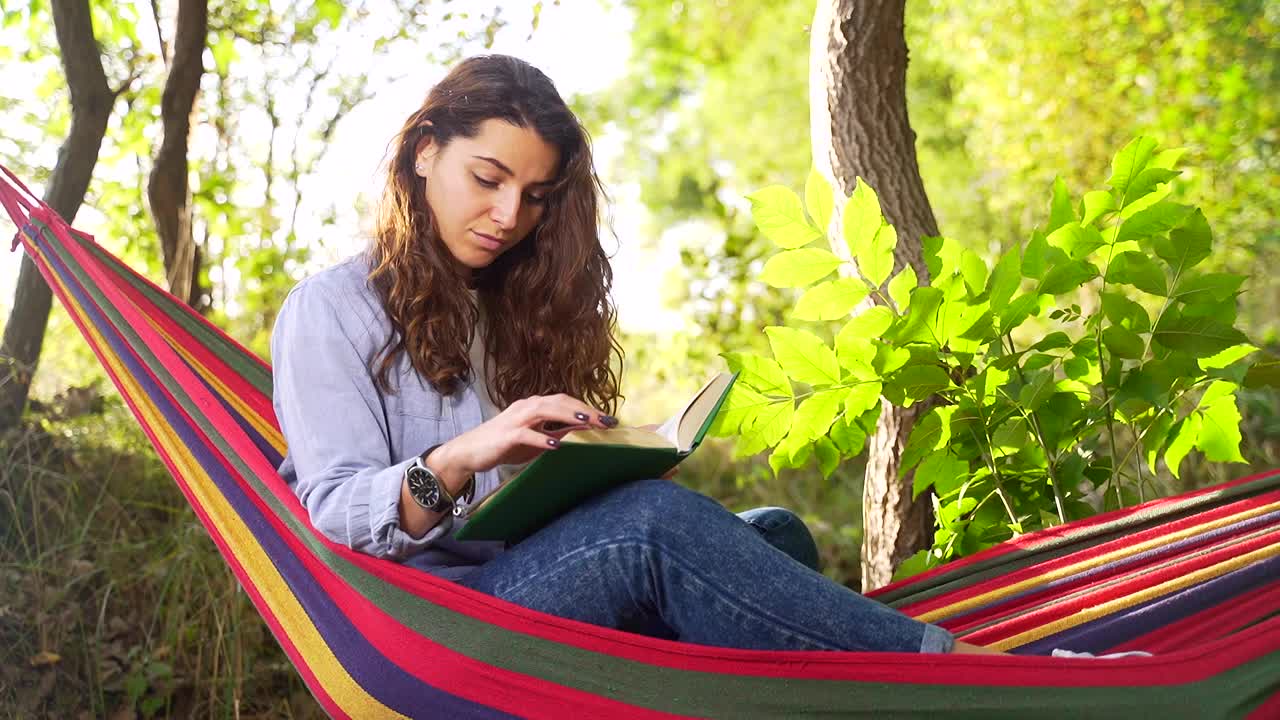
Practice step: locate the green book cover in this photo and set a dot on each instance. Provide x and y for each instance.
(589, 462)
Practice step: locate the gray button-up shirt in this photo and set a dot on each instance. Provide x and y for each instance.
(349, 443)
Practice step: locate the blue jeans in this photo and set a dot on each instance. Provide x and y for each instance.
(657, 558)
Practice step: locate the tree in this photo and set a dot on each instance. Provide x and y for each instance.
(167, 188)
(91, 102)
(860, 129)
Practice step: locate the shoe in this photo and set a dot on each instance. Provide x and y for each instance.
(1058, 653)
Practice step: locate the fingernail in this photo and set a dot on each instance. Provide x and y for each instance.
(553, 442)
(608, 420)
(582, 417)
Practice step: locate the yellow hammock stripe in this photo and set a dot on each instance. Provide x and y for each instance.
(976, 601)
(292, 617)
(1142, 596)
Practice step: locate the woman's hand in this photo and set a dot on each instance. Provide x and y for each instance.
(522, 432)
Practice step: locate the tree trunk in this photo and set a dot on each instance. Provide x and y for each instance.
(859, 127)
(167, 189)
(91, 101)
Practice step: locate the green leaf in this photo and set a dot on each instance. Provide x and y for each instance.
(928, 434)
(760, 373)
(1011, 437)
(1199, 337)
(914, 565)
(1148, 179)
(900, 288)
(1124, 312)
(819, 199)
(861, 220)
(1167, 158)
(974, 271)
(853, 348)
(1187, 245)
(1053, 341)
(1060, 211)
(769, 426)
(986, 384)
(1006, 277)
(1038, 389)
(917, 382)
(740, 406)
(777, 213)
(1220, 431)
(816, 412)
(877, 262)
(1077, 241)
(1228, 356)
(1210, 287)
(868, 324)
(798, 268)
(804, 356)
(1123, 342)
(921, 321)
(848, 437)
(1035, 258)
(1067, 277)
(1138, 270)
(1130, 161)
(1154, 438)
(828, 457)
(1096, 204)
(862, 397)
(889, 358)
(831, 300)
(941, 471)
(1018, 311)
(1154, 220)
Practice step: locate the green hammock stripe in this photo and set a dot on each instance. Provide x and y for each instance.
(244, 364)
(688, 692)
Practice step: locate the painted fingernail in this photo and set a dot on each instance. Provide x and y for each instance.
(608, 420)
(582, 417)
(553, 442)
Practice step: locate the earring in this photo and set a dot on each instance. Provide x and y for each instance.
(419, 169)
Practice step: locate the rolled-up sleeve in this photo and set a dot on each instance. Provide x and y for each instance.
(333, 419)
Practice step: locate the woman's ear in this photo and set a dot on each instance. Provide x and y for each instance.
(424, 154)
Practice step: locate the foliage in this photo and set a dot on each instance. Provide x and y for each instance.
(1065, 370)
(115, 602)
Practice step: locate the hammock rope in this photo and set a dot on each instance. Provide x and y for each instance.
(1195, 578)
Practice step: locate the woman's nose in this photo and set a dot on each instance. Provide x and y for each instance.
(506, 208)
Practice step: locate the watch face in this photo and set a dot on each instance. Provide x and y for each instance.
(424, 487)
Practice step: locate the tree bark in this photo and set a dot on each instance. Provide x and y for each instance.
(859, 127)
(91, 102)
(167, 188)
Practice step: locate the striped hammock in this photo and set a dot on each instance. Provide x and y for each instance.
(1195, 579)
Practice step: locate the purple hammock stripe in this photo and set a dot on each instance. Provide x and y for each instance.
(381, 678)
(1118, 628)
(1172, 548)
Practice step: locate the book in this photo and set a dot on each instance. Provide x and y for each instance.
(589, 462)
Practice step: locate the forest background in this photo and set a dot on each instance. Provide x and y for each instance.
(113, 601)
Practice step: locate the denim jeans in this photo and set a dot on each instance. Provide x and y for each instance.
(657, 558)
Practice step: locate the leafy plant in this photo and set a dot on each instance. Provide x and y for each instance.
(1057, 378)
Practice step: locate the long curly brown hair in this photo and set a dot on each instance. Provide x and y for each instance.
(549, 318)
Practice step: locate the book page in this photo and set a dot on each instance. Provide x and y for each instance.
(682, 428)
(618, 436)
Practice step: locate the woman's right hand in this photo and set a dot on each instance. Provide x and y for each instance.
(523, 431)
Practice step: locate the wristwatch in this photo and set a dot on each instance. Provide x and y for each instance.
(428, 490)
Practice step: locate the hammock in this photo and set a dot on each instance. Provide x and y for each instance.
(1194, 579)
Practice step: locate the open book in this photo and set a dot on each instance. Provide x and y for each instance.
(589, 462)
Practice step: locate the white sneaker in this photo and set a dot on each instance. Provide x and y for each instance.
(1058, 653)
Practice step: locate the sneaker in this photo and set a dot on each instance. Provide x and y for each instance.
(1109, 656)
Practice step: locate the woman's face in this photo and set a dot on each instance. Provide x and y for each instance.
(487, 192)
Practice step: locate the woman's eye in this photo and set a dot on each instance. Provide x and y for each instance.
(536, 199)
(485, 183)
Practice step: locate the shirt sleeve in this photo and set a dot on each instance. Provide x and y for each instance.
(332, 417)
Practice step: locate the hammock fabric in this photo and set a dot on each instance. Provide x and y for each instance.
(1194, 579)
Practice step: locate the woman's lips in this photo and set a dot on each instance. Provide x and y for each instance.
(488, 242)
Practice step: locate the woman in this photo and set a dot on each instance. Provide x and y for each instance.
(473, 334)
